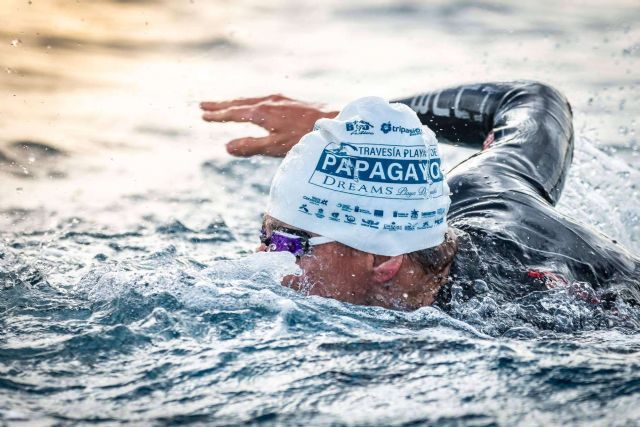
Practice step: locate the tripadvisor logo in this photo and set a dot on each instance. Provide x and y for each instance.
(388, 127)
(359, 127)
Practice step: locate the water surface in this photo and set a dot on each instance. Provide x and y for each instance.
(129, 292)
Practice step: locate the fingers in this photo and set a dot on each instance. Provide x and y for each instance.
(246, 147)
(235, 114)
(214, 106)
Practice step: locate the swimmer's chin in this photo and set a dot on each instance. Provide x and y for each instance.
(291, 281)
(300, 283)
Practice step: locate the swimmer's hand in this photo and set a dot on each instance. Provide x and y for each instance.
(286, 119)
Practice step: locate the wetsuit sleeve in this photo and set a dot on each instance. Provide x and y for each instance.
(524, 130)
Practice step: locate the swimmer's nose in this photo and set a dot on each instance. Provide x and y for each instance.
(261, 248)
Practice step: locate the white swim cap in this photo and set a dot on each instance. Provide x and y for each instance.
(371, 179)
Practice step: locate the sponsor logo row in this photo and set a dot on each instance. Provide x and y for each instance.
(418, 220)
(363, 127)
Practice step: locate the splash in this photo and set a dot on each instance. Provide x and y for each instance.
(221, 282)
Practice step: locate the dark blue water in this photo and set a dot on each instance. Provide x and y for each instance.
(165, 341)
(129, 291)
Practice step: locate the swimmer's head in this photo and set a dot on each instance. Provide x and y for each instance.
(369, 180)
(334, 270)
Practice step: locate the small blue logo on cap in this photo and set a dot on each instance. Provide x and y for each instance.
(388, 127)
(359, 127)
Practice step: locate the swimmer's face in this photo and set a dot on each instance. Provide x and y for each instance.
(331, 270)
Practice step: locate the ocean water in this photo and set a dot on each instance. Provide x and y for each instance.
(129, 290)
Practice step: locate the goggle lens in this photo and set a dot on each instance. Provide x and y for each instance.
(281, 241)
(285, 242)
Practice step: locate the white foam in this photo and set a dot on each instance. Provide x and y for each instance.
(226, 281)
(602, 191)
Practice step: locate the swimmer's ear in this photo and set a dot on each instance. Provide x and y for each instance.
(386, 270)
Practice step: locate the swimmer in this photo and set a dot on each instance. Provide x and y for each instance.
(360, 199)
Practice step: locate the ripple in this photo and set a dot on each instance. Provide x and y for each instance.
(215, 232)
(39, 149)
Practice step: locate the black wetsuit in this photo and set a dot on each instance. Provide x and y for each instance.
(503, 198)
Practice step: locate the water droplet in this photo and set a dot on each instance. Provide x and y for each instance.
(16, 42)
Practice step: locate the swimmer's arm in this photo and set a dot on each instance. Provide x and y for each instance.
(286, 120)
(524, 129)
(461, 115)
(469, 114)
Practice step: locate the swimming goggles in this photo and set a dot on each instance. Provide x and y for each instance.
(296, 242)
